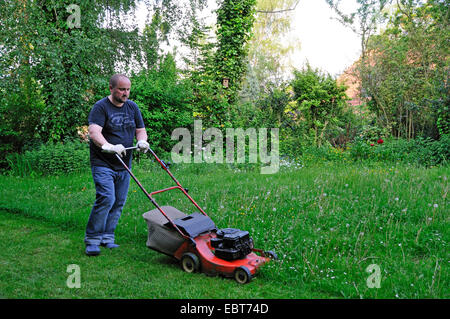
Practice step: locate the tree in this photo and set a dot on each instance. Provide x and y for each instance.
(65, 67)
(319, 103)
(234, 24)
(165, 101)
(365, 20)
(268, 47)
(406, 72)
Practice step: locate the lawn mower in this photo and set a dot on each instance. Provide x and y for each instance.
(194, 239)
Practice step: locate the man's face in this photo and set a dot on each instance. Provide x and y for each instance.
(121, 92)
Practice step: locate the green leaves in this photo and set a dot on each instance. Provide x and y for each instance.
(234, 23)
(319, 99)
(164, 102)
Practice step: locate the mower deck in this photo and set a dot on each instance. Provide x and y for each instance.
(241, 269)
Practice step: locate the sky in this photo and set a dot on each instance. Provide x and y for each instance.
(324, 42)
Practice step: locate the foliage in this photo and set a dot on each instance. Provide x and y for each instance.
(421, 151)
(21, 109)
(268, 48)
(408, 63)
(234, 23)
(52, 73)
(364, 21)
(319, 102)
(403, 70)
(164, 100)
(58, 70)
(50, 159)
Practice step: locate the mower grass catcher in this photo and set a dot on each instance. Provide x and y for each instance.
(195, 241)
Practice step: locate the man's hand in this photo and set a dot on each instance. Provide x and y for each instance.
(118, 148)
(142, 146)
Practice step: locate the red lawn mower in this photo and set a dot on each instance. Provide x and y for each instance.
(195, 241)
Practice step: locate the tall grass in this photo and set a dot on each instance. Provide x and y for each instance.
(326, 223)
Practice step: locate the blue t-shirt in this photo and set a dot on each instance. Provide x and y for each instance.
(119, 127)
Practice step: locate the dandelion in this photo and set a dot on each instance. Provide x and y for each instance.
(396, 199)
(435, 205)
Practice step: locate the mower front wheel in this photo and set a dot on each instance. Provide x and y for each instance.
(271, 254)
(242, 275)
(190, 262)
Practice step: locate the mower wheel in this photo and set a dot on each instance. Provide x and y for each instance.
(190, 262)
(242, 275)
(271, 254)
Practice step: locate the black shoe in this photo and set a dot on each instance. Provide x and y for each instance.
(110, 245)
(92, 250)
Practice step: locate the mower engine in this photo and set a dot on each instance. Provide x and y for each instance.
(232, 244)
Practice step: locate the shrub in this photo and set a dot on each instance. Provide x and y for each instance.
(420, 151)
(164, 102)
(51, 159)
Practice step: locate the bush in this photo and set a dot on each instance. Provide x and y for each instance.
(164, 102)
(421, 151)
(50, 159)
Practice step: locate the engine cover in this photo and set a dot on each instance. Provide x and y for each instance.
(231, 244)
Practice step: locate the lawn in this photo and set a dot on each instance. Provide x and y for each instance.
(327, 224)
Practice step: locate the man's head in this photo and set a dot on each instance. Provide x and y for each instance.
(119, 86)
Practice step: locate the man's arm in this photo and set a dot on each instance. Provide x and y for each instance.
(141, 134)
(95, 133)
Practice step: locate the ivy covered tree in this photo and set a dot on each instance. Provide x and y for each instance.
(234, 25)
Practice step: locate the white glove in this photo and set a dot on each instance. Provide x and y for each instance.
(110, 148)
(142, 146)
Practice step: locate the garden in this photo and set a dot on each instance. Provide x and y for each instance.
(357, 207)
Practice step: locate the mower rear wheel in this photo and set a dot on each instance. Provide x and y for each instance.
(242, 275)
(190, 262)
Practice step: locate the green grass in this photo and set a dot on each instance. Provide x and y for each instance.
(327, 224)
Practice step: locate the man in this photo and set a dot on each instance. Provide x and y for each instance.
(114, 121)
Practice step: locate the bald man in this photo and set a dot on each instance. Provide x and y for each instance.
(114, 122)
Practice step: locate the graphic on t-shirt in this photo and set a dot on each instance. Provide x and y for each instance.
(122, 120)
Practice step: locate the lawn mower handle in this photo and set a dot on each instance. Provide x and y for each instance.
(149, 195)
